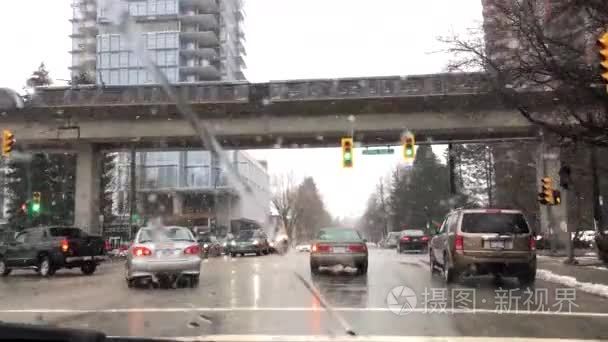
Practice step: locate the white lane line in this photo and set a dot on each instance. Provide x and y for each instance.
(299, 309)
(364, 338)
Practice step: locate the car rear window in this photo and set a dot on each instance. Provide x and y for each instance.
(174, 234)
(339, 235)
(245, 234)
(412, 232)
(501, 223)
(65, 231)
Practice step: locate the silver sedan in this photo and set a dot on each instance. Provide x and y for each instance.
(163, 255)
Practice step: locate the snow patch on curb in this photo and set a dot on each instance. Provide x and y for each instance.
(596, 289)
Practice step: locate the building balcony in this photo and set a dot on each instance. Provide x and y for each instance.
(204, 6)
(205, 21)
(206, 73)
(209, 54)
(204, 38)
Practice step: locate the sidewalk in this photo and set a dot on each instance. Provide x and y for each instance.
(588, 270)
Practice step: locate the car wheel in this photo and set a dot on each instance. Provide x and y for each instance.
(362, 268)
(233, 255)
(528, 277)
(4, 271)
(603, 256)
(242, 254)
(314, 268)
(88, 268)
(45, 268)
(194, 280)
(449, 274)
(432, 262)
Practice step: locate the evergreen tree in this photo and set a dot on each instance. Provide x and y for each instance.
(311, 210)
(108, 185)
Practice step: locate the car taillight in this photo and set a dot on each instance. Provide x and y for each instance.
(321, 248)
(532, 243)
(405, 238)
(357, 248)
(459, 243)
(194, 250)
(139, 251)
(64, 245)
(425, 238)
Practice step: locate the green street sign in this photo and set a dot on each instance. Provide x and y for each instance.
(377, 151)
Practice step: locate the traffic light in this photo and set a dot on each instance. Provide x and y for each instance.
(8, 140)
(35, 202)
(557, 197)
(347, 152)
(409, 147)
(602, 43)
(546, 192)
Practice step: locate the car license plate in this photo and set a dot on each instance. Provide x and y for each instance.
(339, 250)
(414, 240)
(165, 252)
(497, 244)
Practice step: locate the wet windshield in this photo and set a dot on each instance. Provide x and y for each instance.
(305, 169)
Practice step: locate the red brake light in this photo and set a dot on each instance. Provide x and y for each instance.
(405, 238)
(425, 238)
(139, 251)
(322, 248)
(459, 243)
(65, 245)
(358, 248)
(532, 243)
(194, 249)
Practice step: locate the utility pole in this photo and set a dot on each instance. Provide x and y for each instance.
(451, 170)
(132, 190)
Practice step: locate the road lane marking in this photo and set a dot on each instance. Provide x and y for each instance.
(297, 309)
(365, 338)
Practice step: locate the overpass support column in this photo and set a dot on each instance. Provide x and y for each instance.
(88, 188)
(554, 219)
(178, 203)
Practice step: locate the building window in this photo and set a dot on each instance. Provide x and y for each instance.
(124, 59)
(114, 77)
(133, 77)
(114, 42)
(105, 43)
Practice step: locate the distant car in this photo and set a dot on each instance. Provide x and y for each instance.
(250, 241)
(305, 247)
(165, 254)
(339, 246)
(413, 240)
(48, 249)
(485, 241)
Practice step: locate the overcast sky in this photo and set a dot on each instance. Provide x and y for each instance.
(286, 39)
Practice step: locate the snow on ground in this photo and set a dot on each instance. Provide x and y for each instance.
(596, 289)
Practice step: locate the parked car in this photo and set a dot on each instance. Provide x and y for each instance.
(601, 242)
(485, 241)
(413, 240)
(339, 246)
(305, 247)
(250, 241)
(163, 255)
(48, 249)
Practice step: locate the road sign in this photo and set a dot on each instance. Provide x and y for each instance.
(377, 151)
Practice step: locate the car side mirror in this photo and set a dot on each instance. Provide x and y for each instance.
(364, 240)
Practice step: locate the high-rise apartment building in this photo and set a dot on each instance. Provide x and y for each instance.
(190, 40)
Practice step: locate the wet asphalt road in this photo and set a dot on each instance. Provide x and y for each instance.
(264, 296)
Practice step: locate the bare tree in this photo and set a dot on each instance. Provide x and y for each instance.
(284, 200)
(547, 64)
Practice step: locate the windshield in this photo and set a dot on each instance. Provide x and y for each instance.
(67, 232)
(306, 170)
(494, 223)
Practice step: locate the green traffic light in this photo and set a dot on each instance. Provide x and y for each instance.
(36, 207)
(347, 156)
(409, 152)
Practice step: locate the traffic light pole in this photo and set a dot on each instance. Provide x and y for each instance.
(132, 190)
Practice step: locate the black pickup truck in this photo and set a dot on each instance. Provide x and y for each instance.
(47, 249)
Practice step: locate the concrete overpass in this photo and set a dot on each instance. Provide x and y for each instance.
(292, 113)
(297, 113)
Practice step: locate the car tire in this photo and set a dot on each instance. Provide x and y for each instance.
(131, 283)
(432, 263)
(4, 270)
(242, 254)
(362, 268)
(88, 268)
(603, 256)
(258, 253)
(528, 277)
(449, 274)
(194, 280)
(314, 268)
(45, 267)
